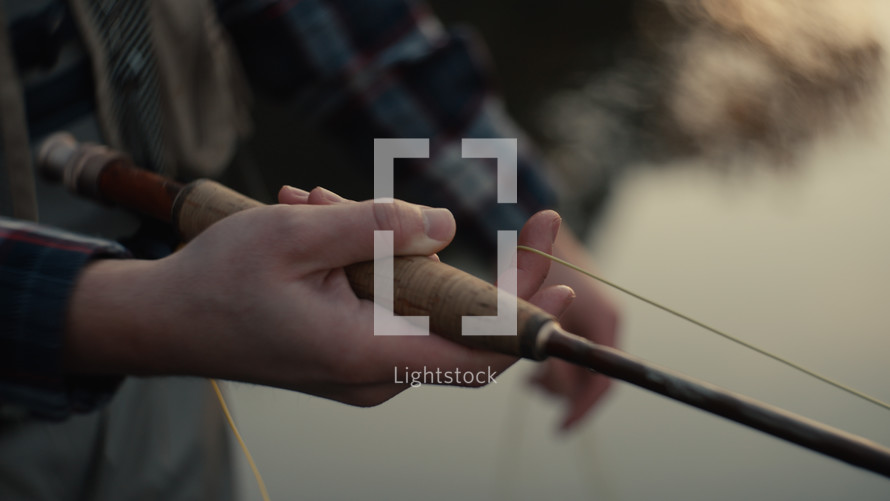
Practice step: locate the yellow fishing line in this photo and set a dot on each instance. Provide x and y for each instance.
(256, 472)
(714, 330)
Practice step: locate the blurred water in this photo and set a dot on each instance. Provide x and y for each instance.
(794, 262)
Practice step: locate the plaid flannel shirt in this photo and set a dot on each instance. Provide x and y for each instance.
(38, 269)
(362, 70)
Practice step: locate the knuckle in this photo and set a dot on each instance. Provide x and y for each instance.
(401, 218)
(279, 218)
(385, 216)
(279, 226)
(261, 224)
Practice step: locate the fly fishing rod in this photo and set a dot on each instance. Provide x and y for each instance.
(444, 294)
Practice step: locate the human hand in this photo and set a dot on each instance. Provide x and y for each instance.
(593, 316)
(262, 297)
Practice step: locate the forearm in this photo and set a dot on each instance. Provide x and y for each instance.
(158, 318)
(117, 323)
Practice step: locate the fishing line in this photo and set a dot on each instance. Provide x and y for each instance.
(256, 472)
(762, 351)
(683, 316)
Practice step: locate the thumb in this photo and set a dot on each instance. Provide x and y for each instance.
(416, 230)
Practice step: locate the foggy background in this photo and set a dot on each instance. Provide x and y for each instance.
(791, 259)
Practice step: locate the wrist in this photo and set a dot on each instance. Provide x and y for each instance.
(112, 323)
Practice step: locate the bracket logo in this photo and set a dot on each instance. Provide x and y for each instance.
(386, 323)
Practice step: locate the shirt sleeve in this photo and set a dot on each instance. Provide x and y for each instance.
(38, 269)
(388, 69)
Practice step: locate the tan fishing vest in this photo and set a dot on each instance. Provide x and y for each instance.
(203, 95)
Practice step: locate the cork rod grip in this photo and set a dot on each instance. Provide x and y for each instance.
(204, 202)
(422, 286)
(445, 294)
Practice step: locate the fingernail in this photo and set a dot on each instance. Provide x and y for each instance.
(438, 224)
(569, 298)
(554, 228)
(296, 191)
